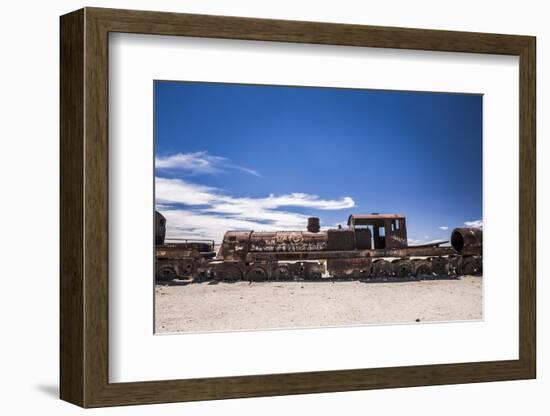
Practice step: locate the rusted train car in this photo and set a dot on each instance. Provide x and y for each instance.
(371, 246)
(181, 258)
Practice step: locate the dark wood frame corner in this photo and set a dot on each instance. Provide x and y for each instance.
(84, 207)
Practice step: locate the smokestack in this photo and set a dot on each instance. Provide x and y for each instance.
(313, 225)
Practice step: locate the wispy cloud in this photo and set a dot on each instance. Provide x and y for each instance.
(199, 163)
(418, 242)
(209, 212)
(443, 227)
(189, 223)
(475, 223)
(178, 191)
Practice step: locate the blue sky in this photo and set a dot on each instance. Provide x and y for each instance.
(234, 156)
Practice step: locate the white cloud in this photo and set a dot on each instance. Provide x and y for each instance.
(187, 223)
(475, 223)
(416, 242)
(169, 191)
(443, 227)
(199, 163)
(210, 212)
(188, 193)
(230, 205)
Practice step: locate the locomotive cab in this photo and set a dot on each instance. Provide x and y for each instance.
(379, 231)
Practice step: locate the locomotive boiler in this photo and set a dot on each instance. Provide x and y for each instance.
(371, 246)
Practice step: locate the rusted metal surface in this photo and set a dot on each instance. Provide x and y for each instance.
(286, 241)
(160, 228)
(382, 253)
(234, 246)
(469, 265)
(387, 230)
(182, 259)
(467, 240)
(373, 246)
(313, 224)
(174, 251)
(350, 268)
(340, 240)
(177, 248)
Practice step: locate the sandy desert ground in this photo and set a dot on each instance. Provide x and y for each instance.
(200, 307)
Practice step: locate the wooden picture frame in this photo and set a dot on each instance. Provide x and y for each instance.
(84, 207)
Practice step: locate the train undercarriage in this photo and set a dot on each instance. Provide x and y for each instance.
(354, 268)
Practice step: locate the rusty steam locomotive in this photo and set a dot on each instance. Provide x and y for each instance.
(372, 246)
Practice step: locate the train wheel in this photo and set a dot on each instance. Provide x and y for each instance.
(201, 276)
(166, 273)
(470, 266)
(364, 274)
(439, 266)
(315, 276)
(402, 268)
(381, 268)
(187, 268)
(257, 274)
(231, 273)
(422, 268)
(314, 271)
(452, 266)
(281, 272)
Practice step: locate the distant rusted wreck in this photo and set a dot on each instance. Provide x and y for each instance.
(372, 246)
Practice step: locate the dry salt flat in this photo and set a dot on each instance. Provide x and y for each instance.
(200, 307)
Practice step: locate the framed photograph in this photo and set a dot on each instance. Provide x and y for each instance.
(255, 207)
